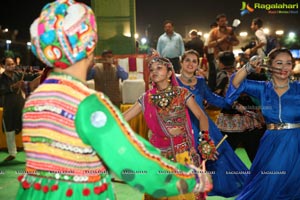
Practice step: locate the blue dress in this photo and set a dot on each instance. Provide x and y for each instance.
(275, 169)
(228, 172)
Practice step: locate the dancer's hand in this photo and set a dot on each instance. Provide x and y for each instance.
(17, 85)
(254, 62)
(207, 146)
(204, 180)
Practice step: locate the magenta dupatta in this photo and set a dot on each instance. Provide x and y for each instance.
(159, 136)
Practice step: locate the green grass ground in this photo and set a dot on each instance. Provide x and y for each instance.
(9, 172)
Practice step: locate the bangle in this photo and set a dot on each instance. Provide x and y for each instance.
(203, 135)
(206, 146)
(249, 69)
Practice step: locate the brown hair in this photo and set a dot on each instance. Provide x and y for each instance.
(191, 51)
(274, 53)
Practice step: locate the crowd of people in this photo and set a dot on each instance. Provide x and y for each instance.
(74, 137)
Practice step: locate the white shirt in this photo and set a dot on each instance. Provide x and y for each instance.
(261, 37)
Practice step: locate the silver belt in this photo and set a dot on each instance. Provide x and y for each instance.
(282, 126)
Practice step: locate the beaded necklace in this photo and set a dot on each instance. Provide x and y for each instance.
(280, 86)
(163, 98)
(188, 79)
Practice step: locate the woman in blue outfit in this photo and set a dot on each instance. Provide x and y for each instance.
(275, 169)
(228, 172)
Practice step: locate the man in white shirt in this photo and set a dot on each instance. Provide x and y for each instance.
(170, 45)
(261, 39)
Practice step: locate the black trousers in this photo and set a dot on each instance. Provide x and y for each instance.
(176, 64)
(212, 72)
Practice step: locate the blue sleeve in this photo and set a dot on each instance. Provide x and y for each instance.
(250, 87)
(90, 74)
(213, 98)
(121, 73)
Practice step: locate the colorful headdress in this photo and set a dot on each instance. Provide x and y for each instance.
(64, 33)
(155, 57)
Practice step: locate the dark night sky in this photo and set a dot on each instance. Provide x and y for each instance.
(19, 14)
(189, 13)
(16, 14)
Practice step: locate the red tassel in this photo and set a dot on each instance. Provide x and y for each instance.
(25, 184)
(86, 192)
(54, 187)
(45, 189)
(69, 192)
(202, 196)
(104, 186)
(97, 190)
(37, 186)
(20, 178)
(100, 189)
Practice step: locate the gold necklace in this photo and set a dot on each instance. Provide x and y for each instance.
(188, 79)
